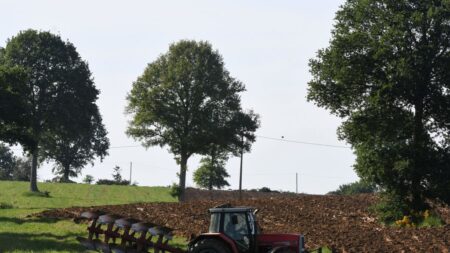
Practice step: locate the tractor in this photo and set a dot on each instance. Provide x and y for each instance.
(231, 230)
(235, 230)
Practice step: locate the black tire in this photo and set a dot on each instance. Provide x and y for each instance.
(209, 246)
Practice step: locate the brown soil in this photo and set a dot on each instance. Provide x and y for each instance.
(342, 222)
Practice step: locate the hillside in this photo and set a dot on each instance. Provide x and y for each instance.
(21, 233)
(342, 222)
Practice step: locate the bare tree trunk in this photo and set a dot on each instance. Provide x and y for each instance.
(33, 174)
(183, 169)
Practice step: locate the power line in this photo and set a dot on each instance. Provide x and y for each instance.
(302, 142)
(259, 136)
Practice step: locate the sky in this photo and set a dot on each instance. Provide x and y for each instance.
(265, 44)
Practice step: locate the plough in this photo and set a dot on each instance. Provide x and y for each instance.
(232, 230)
(134, 235)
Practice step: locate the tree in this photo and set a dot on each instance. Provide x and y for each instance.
(72, 152)
(179, 99)
(386, 72)
(60, 92)
(7, 162)
(88, 179)
(116, 175)
(212, 173)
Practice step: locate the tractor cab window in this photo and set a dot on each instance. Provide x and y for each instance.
(236, 227)
(214, 225)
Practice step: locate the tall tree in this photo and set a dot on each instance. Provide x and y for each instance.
(72, 151)
(59, 86)
(386, 72)
(212, 173)
(177, 98)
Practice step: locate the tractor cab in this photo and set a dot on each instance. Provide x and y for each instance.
(235, 230)
(237, 223)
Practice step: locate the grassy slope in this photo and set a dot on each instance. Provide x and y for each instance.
(21, 234)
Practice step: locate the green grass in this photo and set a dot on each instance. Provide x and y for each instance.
(21, 234)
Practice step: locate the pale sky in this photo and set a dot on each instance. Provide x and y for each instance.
(265, 44)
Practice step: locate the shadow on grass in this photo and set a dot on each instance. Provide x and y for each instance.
(28, 220)
(38, 242)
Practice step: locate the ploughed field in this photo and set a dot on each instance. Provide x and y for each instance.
(341, 222)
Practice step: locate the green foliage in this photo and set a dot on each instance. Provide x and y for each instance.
(12, 167)
(117, 178)
(88, 179)
(22, 169)
(211, 173)
(188, 101)
(355, 188)
(112, 182)
(175, 190)
(63, 122)
(386, 73)
(116, 175)
(265, 189)
(12, 104)
(7, 162)
(390, 209)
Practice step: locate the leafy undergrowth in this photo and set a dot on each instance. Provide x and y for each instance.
(19, 232)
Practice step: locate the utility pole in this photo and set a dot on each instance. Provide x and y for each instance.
(131, 170)
(296, 182)
(240, 171)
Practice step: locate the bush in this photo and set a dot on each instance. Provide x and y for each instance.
(175, 190)
(265, 189)
(355, 188)
(112, 182)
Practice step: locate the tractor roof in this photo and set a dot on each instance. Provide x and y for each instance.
(227, 208)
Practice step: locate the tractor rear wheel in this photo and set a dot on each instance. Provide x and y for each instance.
(209, 246)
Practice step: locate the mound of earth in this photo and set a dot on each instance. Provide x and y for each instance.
(341, 222)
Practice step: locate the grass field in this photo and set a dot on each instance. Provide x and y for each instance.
(21, 234)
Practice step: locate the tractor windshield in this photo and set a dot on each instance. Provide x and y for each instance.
(236, 227)
(214, 225)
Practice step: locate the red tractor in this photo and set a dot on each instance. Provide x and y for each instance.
(231, 230)
(235, 230)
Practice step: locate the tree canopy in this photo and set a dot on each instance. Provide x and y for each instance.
(60, 94)
(185, 99)
(386, 72)
(12, 104)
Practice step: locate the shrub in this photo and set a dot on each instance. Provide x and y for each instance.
(175, 190)
(355, 188)
(112, 182)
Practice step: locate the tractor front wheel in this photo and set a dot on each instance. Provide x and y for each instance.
(209, 246)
